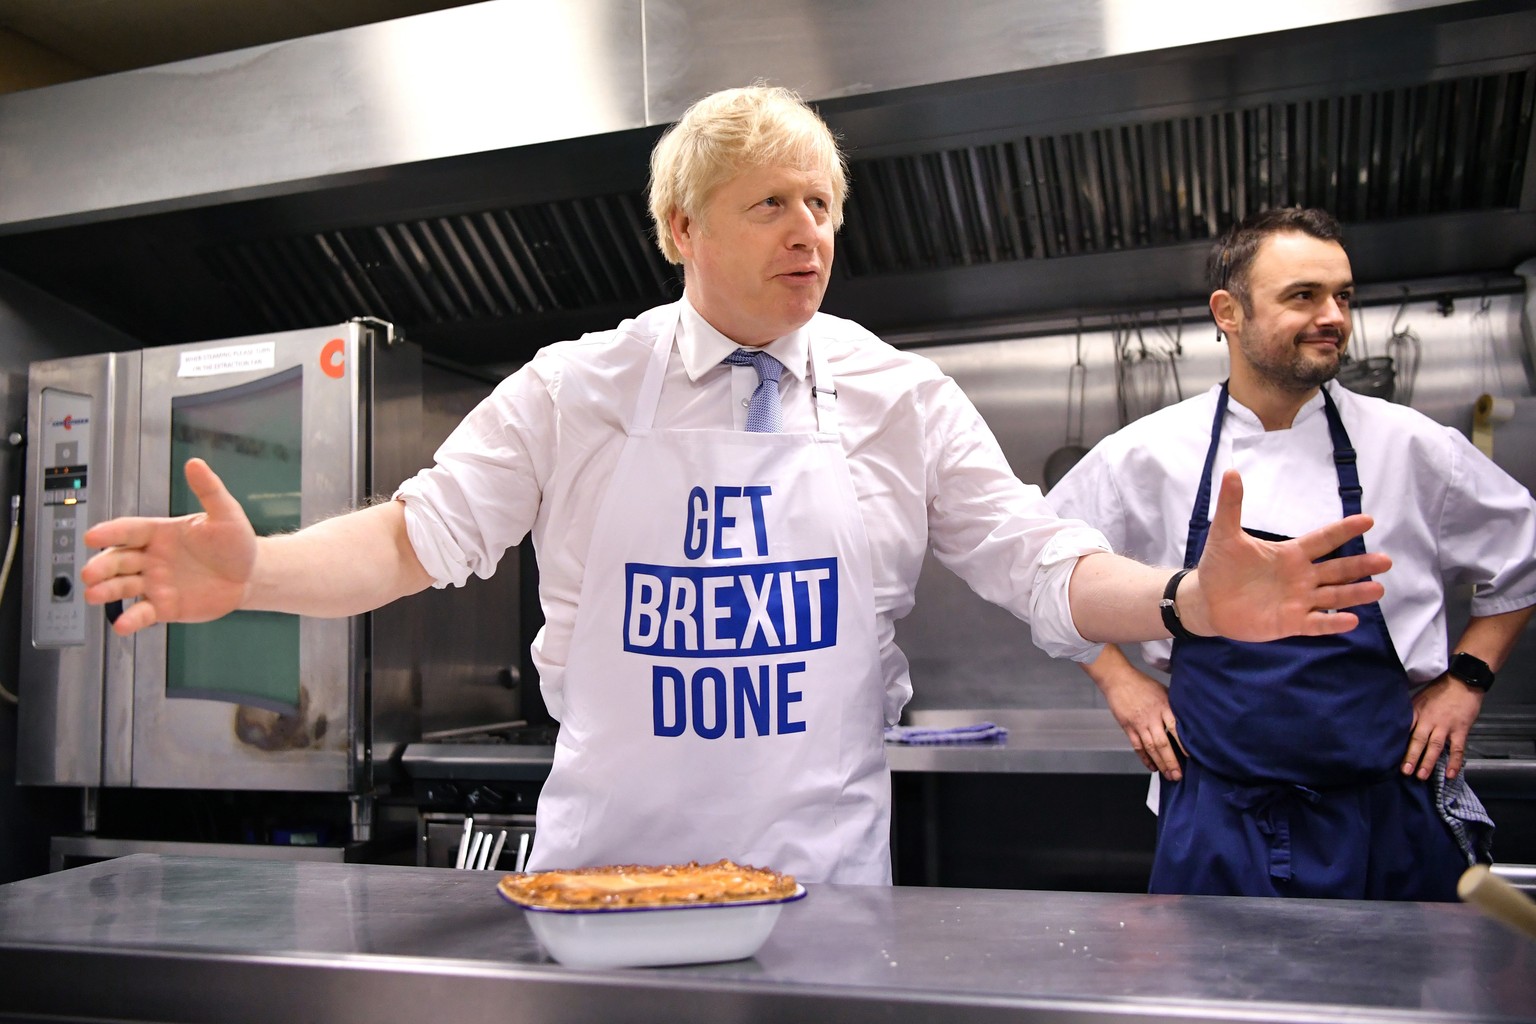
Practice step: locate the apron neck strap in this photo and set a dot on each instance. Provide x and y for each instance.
(649, 396)
(823, 389)
(1350, 491)
(1199, 516)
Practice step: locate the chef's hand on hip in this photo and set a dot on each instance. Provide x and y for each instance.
(1252, 589)
(189, 568)
(1140, 705)
(1443, 714)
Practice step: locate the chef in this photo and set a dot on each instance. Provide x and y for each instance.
(1311, 766)
(730, 498)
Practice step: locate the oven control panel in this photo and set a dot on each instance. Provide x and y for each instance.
(65, 447)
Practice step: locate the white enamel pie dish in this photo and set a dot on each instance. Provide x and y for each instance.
(655, 936)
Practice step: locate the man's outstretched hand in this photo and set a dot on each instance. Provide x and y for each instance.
(190, 568)
(1252, 589)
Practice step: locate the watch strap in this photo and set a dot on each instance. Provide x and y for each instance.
(1170, 611)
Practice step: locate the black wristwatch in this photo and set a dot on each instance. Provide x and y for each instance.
(1472, 670)
(1170, 611)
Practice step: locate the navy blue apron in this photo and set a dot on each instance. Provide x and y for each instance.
(1292, 786)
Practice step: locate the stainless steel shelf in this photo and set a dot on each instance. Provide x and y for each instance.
(1073, 741)
(1068, 741)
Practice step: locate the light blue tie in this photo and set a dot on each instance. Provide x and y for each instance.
(764, 415)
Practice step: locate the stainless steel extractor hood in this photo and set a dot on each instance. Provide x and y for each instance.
(476, 175)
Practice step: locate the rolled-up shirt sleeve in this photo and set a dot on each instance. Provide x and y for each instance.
(482, 495)
(1487, 532)
(998, 533)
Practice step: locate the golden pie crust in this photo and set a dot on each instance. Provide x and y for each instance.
(636, 885)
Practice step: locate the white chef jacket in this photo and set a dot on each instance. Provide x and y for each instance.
(538, 455)
(1444, 513)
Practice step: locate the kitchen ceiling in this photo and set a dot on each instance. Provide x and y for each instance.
(44, 42)
(1089, 186)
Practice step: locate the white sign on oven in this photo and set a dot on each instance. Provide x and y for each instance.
(210, 362)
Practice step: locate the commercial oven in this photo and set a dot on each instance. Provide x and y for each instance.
(300, 426)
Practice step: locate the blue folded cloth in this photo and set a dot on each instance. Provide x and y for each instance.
(1460, 808)
(981, 732)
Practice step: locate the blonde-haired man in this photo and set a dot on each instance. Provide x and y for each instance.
(730, 497)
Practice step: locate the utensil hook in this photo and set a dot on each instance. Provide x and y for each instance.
(1077, 380)
(1397, 318)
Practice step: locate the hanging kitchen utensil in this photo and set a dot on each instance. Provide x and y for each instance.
(1403, 350)
(1490, 368)
(1143, 372)
(1367, 375)
(1174, 347)
(1060, 461)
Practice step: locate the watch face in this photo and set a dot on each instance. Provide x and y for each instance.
(1472, 670)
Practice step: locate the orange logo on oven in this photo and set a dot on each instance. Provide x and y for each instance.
(333, 361)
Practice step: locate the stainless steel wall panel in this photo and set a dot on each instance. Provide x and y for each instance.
(276, 119)
(858, 47)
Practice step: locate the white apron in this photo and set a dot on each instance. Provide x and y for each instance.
(723, 691)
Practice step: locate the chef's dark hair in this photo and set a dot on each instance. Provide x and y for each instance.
(1232, 255)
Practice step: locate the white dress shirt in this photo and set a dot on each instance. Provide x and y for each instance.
(1443, 512)
(539, 452)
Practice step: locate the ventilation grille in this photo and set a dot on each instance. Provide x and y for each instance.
(486, 266)
(1451, 146)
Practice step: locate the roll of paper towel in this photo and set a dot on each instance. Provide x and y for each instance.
(1504, 429)
(1486, 413)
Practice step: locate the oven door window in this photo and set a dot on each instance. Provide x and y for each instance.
(253, 435)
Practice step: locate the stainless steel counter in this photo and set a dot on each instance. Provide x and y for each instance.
(176, 939)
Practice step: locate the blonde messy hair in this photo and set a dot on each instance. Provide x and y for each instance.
(732, 131)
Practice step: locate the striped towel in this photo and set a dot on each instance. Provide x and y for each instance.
(1460, 809)
(981, 732)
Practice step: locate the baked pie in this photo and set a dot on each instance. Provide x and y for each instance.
(635, 885)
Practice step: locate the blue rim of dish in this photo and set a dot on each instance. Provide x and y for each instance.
(798, 894)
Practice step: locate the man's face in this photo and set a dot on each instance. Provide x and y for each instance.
(1300, 289)
(757, 260)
